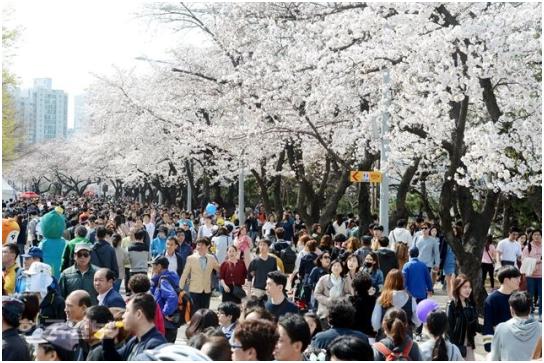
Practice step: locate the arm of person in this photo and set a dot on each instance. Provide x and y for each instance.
(319, 291)
(498, 252)
(436, 253)
(185, 274)
(429, 283)
(170, 297)
(488, 323)
(376, 319)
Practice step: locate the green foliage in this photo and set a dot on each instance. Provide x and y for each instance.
(10, 139)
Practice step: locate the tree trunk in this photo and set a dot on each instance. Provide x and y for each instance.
(401, 212)
(332, 203)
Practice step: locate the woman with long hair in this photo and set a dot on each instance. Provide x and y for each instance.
(333, 285)
(233, 275)
(372, 267)
(448, 262)
(321, 268)
(243, 244)
(394, 296)
(363, 301)
(200, 321)
(463, 317)
(438, 348)
(352, 266)
(397, 344)
(488, 261)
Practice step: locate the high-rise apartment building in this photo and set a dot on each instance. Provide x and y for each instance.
(42, 111)
(80, 113)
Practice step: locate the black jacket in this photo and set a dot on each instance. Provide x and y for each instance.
(462, 323)
(152, 339)
(51, 308)
(14, 346)
(103, 255)
(181, 262)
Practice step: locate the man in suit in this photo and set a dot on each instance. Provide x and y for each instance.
(198, 269)
(103, 284)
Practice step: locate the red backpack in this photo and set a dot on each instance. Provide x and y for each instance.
(390, 355)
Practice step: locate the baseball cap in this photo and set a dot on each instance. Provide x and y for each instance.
(39, 267)
(34, 252)
(160, 260)
(82, 246)
(59, 335)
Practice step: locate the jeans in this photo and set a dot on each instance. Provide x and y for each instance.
(534, 287)
(200, 301)
(508, 263)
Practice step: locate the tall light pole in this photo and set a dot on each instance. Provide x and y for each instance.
(384, 150)
(241, 181)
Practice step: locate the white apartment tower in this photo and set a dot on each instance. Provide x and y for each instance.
(42, 111)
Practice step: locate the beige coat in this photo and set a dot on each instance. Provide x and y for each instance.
(200, 281)
(322, 294)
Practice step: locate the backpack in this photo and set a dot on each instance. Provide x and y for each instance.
(288, 257)
(307, 263)
(183, 314)
(394, 355)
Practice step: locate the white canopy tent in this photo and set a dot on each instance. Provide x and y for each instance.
(7, 191)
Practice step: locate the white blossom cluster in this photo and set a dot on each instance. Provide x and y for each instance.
(313, 73)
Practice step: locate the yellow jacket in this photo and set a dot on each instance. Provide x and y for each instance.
(200, 281)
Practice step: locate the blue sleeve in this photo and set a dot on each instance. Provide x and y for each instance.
(488, 322)
(379, 277)
(405, 274)
(428, 281)
(110, 353)
(169, 296)
(153, 247)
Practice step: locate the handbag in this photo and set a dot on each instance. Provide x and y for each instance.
(238, 292)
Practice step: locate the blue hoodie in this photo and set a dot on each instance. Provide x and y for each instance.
(164, 291)
(158, 246)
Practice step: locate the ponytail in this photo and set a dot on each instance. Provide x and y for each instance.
(395, 324)
(440, 351)
(437, 325)
(398, 331)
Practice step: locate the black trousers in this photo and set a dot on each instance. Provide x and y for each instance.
(488, 269)
(171, 334)
(200, 301)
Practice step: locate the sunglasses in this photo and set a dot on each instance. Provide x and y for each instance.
(326, 257)
(84, 254)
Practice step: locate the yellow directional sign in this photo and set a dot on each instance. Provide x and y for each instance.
(357, 176)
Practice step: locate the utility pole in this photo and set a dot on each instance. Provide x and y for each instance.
(384, 150)
(241, 206)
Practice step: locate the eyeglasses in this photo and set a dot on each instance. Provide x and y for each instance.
(79, 254)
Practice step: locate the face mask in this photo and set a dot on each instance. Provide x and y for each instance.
(368, 264)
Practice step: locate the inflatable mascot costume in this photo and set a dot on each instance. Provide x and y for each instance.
(52, 226)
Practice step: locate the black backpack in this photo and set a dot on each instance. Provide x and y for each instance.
(307, 263)
(288, 257)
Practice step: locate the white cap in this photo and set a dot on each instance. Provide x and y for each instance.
(39, 267)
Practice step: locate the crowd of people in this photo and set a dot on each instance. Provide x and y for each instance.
(96, 279)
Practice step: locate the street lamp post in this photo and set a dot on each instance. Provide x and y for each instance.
(384, 186)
